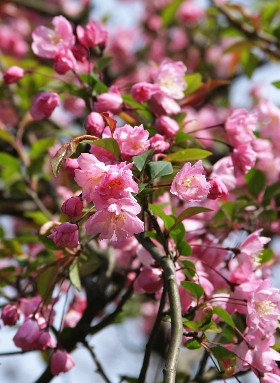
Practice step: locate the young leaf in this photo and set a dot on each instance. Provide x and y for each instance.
(178, 233)
(193, 81)
(159, 169)
(194, 288)
(224, 315)
(109, 144)
(169, 12)
(46, 281)
(40, 147)
(191, 154)
(141, 160)
(189, 212)
(225, 358)
(193, 344)
(276, 84)
(167, 219)
(184, 248)
(74, 274)
(255, 180)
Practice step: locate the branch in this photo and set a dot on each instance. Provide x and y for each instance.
(100, 369)
(148, 350)
(169, 275)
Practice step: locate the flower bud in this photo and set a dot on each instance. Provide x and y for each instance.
(64, 61)
(109, 102)
(27, 335)
(217, 189)
(80, 53)
(45, 341)
(13, 74)
(43, 105)
(61, 361)
(10, 315)
(65, 235)
(167, 126)
(157, 142)
(72, 207)
(95, 124)
(143, 91)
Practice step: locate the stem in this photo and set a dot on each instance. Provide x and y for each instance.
(148, 350)
(100, 369)
(169, 275)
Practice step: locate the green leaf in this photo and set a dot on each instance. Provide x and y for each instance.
(276, 84)
(10, 168)
(169, 12)
(46, 281)
(266, 255)
(159, 169)
(184, 248)
(193, 81)
(110, 144)
(193, 344)
(224, 315)
(74, 274)
(103, 62)
(194, 288)
(167, 219)
(6, 136)
(41, 146)
(184, 155)
(192, 325)
(178, 233)
(190, 212)
(255, 180)
(62, 154)
(272, 191)
(189, 268)
(239, 46)
(141, 160)
(37, 216)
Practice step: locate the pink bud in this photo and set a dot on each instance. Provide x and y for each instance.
(167, 126)
(92, 35)
(13, 74)
(43, 105)
(71, 165)
(217, 189)
(27, 335)
(149, 280)
(10, 315)
(80, 53)
(61, 361)
(95, 124)
(72, 207)
(109, 102)
(143, 91)
(65, 235)
(157, 142)
(64, 61)
(45, 341)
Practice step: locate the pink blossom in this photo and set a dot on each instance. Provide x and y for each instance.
(167, 126)
(223, 169)
(170, 78)
(74, 105)
(11, 42)
(80, 53)
(61, 361)
(158, 143)
(132, 140)
(90, 174)
(270, 378)
(190, 12)
(239, 127)
(143, 91)
(161, 104)
(264, 308)
(43, 105)
(243, 159)
(72, 207)
(117, 222)
(269, 118)
(149, 280)
(109, 102)
(48, 42)
(10, 315)
(64, 61)
(92, 35)
(45, 341)
(217, 189)
(13, 74)
(27, 335)
(95, 124)
(71, 164)
(190, 183)
(29, 305)
(66, 235)
(103, 154)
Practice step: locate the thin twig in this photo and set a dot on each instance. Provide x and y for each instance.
(100, 369)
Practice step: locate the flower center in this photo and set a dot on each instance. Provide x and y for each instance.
(55, 38)
(266, 308)
(190, 182)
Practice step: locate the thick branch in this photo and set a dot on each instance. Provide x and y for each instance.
(169, 276)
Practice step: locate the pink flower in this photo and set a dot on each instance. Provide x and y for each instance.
(161, 104)
(270, 378)
(10, 315)
(190, 184)
(170, 78)
(132, 140)
(72, 207)
(143, 91)
(74, 105)
(90, 174)
(64, 61)
(61, 361)
(13, 74)
(167, 126)
(92, 35)
(117, 222)
(95, 124)
(27, 335)
(217, 189)
(66, 235)
(269, 118)
(158, 143)
(264, 308)
(239, 127)
(48, 42)
(149, 280)
(190, 12)
(11, 42)
(80, 53)
(243, 159)
(45, 341)
(223, 169)
(109, 102)
(43, 105)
